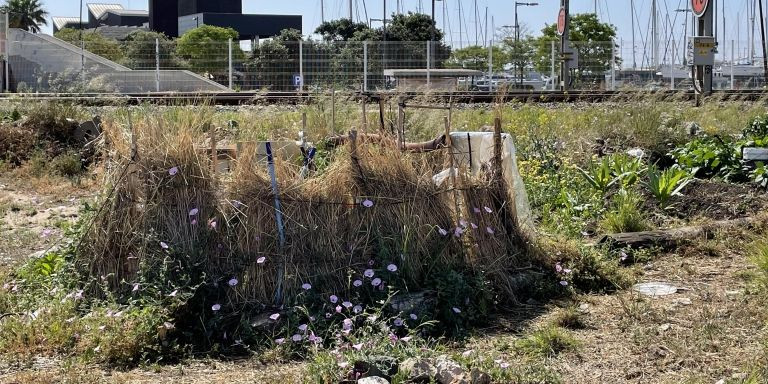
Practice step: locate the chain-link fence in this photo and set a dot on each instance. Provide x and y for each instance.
(40, 63)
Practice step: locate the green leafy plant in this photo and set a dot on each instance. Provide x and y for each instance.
(666, 184)
(600, 174)
(625, 216)
(710, 156)
(627, 169)
(760, 175)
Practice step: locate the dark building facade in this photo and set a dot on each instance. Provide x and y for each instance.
(164, 17)
(174, 17)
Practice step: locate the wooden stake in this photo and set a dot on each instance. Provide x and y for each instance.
(400, 124)
(214, 155)
(381, 116)
(333, 111)
(365, 114)
(497, 150)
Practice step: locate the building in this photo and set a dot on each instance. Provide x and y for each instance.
(174, 17)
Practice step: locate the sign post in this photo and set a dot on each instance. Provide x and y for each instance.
(566, 54)
(702, 47)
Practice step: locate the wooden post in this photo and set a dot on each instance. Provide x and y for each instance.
(304, 122)
(400, 124)
(381, 115)
(365, 114)
(497, 149)
(333, 111)
(214, 155)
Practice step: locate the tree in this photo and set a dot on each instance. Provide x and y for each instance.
(340, 30)
(206, 49)
(94, 42)
(140, 47)
(476, 57)
(28, 15)
(274, 62)
(592, 39)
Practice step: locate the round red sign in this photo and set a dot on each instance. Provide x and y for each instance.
(699, 7)
(562, 18)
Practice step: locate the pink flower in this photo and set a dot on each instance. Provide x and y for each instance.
(367, 203)
(456, 310)
(193, 212)
(392, 337)
(347, 304)
(297, 338)
(163, 245)
(558, 268)
(567, 271)
(173, 171)
(443, 232)
(174, 293)
(476, 210)
(216, 307)
(376, 282)
(504, 365)
(368, 273)
(232, 282)
(357, 309)
(406, 339)
(347, 324)
(328, 315)
(398, 323)
(46, 232)
(334, 299)
(212, 224)
(274, 317)
(488, 210)
(474, 226)
(338, 309)
(490, 230)
(168, 325)
(357, 283)
(306, 286)
(303, 327)
(392, 268)
(458, 231)
(624, 256)
(280, 341)
(357, 347)
(193, 222)
(261, 260)
(136, 287)
(413, 316)
(463, 223)
(564, 283)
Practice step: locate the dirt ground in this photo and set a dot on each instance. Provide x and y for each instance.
(711, 330)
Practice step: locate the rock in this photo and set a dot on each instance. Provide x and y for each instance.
(382, 366)
(479, 377)
(664, 327)
(418, 370)
(372, 380)
(450, 372)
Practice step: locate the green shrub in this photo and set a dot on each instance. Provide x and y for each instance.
(547, 342)
(664, 185)
(68, 164)
(625, 214)
(600, 174)
(710, 156)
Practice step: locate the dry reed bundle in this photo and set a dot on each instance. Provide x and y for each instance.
(372, 206)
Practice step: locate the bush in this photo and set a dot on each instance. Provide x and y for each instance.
(625, 216)
(710, 156)
(16, 143)
(68, 164)
(547, 342)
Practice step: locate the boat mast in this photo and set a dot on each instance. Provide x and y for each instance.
(634, 55)
(655, 28)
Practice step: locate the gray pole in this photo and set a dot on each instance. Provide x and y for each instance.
(301, 65)
(157, 65)
(762, 40)
(565, 68)
(517, 42)
(490, 67)
(229, 47)
(322, 11)
(429, 64)
(552, 66)
(365, 66)
(634, 56)
(733, 54)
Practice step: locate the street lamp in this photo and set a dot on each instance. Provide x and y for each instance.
(517, 35)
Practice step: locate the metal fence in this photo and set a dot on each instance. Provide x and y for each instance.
(44, 64)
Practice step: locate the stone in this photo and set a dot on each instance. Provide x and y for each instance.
(683, 301)
(382, 366)
(373, 380)
(479, 377)
(418, 370)
(450, 372)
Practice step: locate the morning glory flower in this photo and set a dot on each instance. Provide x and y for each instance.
(274, 317)
(334, 299)
(357, 283)
(368, 273)
(232, 282)
(368, 203)
(376, 282)
(173, 171)
(216, 307)
(392, 268)
(306, 286)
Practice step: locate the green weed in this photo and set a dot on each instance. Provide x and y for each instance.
(625, 215)
(666, 184)
(547, 342)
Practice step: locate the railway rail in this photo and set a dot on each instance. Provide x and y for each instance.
(245, 98)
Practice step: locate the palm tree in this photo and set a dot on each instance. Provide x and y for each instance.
(28, 15)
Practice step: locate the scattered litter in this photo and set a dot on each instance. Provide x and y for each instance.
(655, 289)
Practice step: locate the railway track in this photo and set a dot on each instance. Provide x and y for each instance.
(244, 98)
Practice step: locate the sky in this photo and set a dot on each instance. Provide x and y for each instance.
(500, 13)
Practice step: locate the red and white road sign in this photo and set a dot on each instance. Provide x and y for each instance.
(699, 7)
(562, 18)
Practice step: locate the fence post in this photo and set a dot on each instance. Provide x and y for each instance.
(229, 56)
(429, 63)
(157, 65)
(365, 66)
(490, 67)
(733, 57)
(613, 65)
(301, 65)
(672, 67)
(552, 66)
(7, 56)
